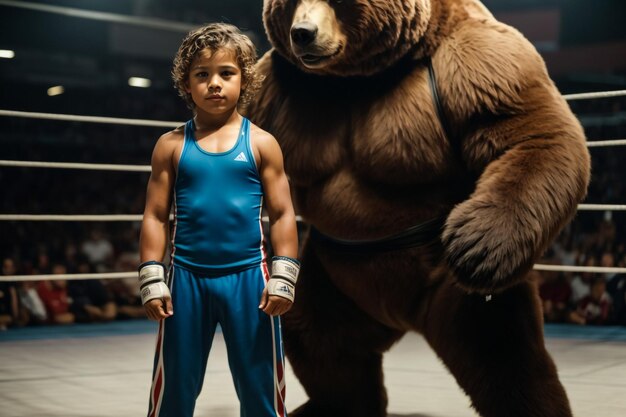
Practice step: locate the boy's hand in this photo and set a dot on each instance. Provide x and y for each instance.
(155, 294)
(159, 308)
(280, 290)
(274, 305)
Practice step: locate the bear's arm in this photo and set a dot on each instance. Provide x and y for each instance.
(520, 137)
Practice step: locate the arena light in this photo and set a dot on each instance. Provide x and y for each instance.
(139, 82)
(7, 53)
(56, 90)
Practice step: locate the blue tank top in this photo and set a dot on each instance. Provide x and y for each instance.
(218, 199)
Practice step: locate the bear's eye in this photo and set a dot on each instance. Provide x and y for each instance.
(336, 1)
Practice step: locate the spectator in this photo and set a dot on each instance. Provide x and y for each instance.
(8, 297)
(27, 306)
(595, 308)
(581, 283)
(616, 288)
(127, 299)
(54, 296)
(565, 250)
(34, 310)
(98, 250)
(607, 260)
(71, 257)
(43, 262)
(126, 291)
(555, 293)
(91, 300)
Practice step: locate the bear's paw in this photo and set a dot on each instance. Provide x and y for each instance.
(488, 247)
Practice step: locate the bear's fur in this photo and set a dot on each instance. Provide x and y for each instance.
(368, 157)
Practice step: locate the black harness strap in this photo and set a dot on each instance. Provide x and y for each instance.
(418, 235)
(455, 143)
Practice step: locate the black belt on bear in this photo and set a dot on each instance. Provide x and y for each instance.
(418, 235)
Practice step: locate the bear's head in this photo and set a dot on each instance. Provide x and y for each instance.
(345, 37)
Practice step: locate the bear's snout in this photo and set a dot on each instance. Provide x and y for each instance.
(303, 34)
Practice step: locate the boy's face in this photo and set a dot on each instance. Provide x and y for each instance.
(214, 81)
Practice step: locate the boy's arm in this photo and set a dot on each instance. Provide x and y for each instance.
(283, 229)
(154, 230)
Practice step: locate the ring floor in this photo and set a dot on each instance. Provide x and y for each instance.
(104, 371)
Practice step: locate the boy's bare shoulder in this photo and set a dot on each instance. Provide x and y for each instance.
(269, 152)
(170, 141)
(261, 136)
(173, 136)
(168, 148)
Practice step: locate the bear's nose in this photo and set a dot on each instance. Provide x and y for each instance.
(303, 34)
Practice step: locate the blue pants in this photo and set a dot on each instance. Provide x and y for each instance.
(253, 343)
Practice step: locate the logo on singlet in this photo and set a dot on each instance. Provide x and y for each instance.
(241, 157)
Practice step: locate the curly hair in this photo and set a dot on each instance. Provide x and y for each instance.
(217, 36)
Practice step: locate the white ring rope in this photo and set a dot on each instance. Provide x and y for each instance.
(87, 217)
(72, 217)
(139, 217)
(602, 207)
(593, 269)
(76, 165)
(69, 277)
(599, 94)
(90, 119)
(605, 143)
(122, 275)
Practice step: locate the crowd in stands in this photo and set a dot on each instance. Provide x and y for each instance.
(30, 248)
(585, 298)
(62, 301)
(593, 238)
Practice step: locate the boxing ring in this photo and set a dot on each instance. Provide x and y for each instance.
(103, 370)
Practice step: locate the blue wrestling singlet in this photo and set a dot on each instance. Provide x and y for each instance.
(218, 276)
(218, 199)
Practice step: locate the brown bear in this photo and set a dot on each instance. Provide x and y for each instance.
(435, 161)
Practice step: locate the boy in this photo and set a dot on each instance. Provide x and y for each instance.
(219, 168)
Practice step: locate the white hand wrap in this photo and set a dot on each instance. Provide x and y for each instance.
(284, 277)
(152, 281)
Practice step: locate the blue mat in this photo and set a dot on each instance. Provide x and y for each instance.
(116, 328)
(130, 327)
(597, 333)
